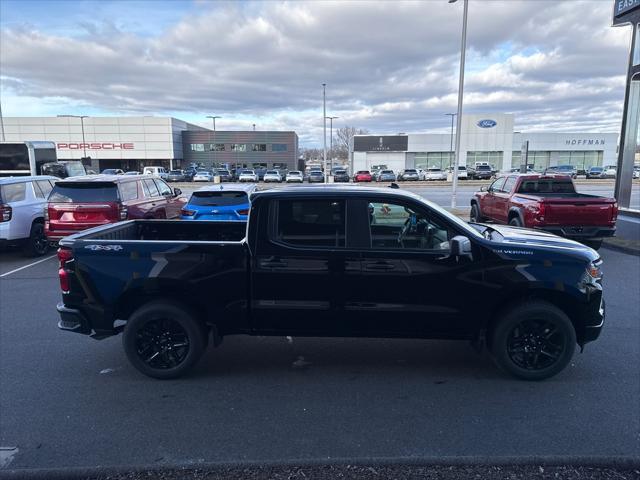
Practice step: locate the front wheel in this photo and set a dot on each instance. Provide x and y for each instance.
(162, 339)
(533, 341)
(474, 215)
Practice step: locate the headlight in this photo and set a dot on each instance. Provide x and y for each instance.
(594, 273)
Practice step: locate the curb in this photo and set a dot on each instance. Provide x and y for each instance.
(621, 248)
(72, 473)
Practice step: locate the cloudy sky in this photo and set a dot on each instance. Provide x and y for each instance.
(389, 66)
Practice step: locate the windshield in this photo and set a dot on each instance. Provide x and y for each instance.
(175, 172)
(218, 199)
(547, 185)
(271, 172)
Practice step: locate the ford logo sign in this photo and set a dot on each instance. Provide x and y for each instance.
(487, 123)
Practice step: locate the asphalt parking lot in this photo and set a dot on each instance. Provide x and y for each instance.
(70, 401)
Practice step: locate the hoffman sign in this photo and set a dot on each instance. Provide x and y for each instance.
(95, 146)
(584, 142)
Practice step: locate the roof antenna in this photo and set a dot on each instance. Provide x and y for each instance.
(394, 185)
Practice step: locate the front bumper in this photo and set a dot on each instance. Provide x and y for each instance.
(595, 314)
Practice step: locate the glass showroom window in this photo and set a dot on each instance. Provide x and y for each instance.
(197, 147)
(279, 147)
(259, 147)
(492, 158)
(238, 147)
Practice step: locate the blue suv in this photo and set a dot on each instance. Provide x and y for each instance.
(219, 203)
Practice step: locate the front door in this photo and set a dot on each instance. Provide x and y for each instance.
(301, 266)
(501, 202)
(409, 284)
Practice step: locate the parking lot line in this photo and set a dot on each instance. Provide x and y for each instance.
(26, 266)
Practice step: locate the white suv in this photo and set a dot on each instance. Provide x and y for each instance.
(157, 171)
(22, 204)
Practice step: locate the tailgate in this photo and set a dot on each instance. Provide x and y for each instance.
(71, 216)
(579, 212)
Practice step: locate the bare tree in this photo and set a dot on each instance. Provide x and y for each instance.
(343, 138)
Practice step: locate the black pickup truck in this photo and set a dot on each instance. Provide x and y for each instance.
(332, 261)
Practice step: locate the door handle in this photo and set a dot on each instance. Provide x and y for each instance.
(379, 266)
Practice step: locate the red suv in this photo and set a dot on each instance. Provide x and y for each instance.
(78, 203)
(363, 176)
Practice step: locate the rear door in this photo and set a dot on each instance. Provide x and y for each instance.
(75, 206)
(302, 269)
(154, 202)
(172, 204)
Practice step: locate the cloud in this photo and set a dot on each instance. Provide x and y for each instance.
(389, 66)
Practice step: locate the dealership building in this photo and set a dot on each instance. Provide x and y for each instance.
(131, 143)
(485, 138)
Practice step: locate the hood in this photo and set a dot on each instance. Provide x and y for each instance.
(526, 237)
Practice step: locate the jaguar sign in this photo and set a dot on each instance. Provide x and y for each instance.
(487, 123)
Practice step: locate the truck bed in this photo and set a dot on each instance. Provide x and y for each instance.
(166, 230)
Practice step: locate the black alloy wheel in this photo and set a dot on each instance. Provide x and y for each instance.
(533, 340)
(162, 344)
(535, 344)
(37, 243)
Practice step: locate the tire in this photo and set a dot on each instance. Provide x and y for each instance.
(515, 222)
(475, 216)
(154, 339)
(595, 244)
(533, 341)
(37, 243)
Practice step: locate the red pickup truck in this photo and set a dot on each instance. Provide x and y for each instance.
(546, 202)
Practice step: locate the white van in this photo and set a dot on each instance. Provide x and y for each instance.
(157, 171)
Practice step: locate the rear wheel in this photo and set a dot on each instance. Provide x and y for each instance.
(162, 339)
(37, 243)
(533, 341)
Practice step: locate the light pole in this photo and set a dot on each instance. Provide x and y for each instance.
(1, 123)
(453, 116)
(81, 117)
(463, 52)
(215, 145)
(324, 129)
(331, 119)
(254, 127)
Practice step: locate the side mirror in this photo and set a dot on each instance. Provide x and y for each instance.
(460, 247)
(177, 192)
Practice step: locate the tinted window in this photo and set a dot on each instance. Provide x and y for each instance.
(13, 192)
(150, 189)
(42, 188)
(311, 223)
(279, 147)
(509, 184)
(164, 188)
(548, 185)
(129, 191)
(259, 147)
(14, 156)
(90, 192)
(396, 226)
(218, 199)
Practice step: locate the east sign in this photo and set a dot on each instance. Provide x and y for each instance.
(622, 10)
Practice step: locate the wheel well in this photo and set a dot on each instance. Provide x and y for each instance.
(514, 213)
(560, 300)
(38, 220)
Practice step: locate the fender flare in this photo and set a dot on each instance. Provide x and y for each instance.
(516, 211)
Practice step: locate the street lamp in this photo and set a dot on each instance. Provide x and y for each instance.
(463, 52)
(254, 127)
(81, 117)
(1, 123)
(452, 115)
(331, 119)
(324, 129)
(215, 145)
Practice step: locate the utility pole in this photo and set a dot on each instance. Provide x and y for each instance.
(81, 117)
(324, 129)
(463, 52)
(331, 119)
(2, 123)
(453, 116)
(215, 145)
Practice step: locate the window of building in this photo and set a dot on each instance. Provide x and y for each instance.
(279, 147)
(492, 158)
(197, 147)
(583, 161)
(279, 165)
(441, 160)
(311, 223)
(396, 226)
(259, 147)
(259, 165)
(238, 147)
(128, 191)
(216, 147)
